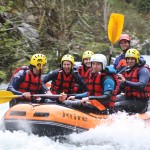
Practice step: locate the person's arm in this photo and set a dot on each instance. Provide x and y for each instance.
(79, 80)
(15, 82)
(46, 78)
(80, 96)
(143, 76)
(116, 62)
(108, 86)
(50, 76)
(43, 89)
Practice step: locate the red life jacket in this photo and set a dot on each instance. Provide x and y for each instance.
(82, 72)
(122, 63)
(64, 83)
(18, 69)
(31, 83)
(95, 88)
(133, 77)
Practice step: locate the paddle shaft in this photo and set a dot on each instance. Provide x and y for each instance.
(46, 95)
(34, 95)
(110, 55)
(6, 96)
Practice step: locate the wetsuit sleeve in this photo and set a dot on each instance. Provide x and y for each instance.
(50, 76)
(81, 82)
(108, 87)
(44, 89)
(15, 82)
(80, 96)
(143, 76)
(116, 62)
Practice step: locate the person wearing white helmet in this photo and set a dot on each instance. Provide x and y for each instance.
(125, 44)
(102, 83)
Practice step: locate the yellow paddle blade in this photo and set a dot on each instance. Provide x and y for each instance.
(6, 96)
(115, 27)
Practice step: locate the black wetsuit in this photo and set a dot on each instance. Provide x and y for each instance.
(134, 104)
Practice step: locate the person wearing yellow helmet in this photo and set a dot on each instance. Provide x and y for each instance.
(27, 82)
(65, 79)
(38, 61)
(125, 44)
(135, 84)
(86, 64)
(67, 63)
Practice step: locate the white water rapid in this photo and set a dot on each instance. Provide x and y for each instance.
(126, 133)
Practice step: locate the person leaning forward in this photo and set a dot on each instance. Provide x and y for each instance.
(28, 82)
(65, 79)
(135, 85)
(102, 83)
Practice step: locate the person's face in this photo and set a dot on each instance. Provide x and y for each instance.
(39, 71)
(131, 61)
(67, 66)
(97, 67)
(87, 62)
(124, 45)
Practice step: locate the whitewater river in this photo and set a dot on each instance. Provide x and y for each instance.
(126, 133)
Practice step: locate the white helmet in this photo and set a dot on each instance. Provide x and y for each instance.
(99, 58)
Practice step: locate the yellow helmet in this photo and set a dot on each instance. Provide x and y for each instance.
(38, 60)
(87, 54)
(133, 53)
(68, 57)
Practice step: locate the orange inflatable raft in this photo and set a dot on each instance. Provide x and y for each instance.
(53, 119)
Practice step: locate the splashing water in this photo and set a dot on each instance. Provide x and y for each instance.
(126, 132)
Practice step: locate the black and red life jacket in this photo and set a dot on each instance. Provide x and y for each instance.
(64, 83)
(82, 71)
(133, 77)
(31, 83)
(95, 88)
(122, 63)
(18, 69)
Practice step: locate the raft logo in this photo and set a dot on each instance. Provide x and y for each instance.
(74, 116)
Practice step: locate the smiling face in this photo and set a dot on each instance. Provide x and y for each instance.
(124, 44)
(67, 66)
(87, 62)
(97, 67)
(131, 61)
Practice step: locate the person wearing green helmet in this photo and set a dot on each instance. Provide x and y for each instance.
(135, 85)
(27, 82)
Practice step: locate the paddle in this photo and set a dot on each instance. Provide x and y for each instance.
(78, 102)
(97, 104)
(115, 27)
(6, 96)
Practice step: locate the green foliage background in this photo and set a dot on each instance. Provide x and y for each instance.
(65, 26)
